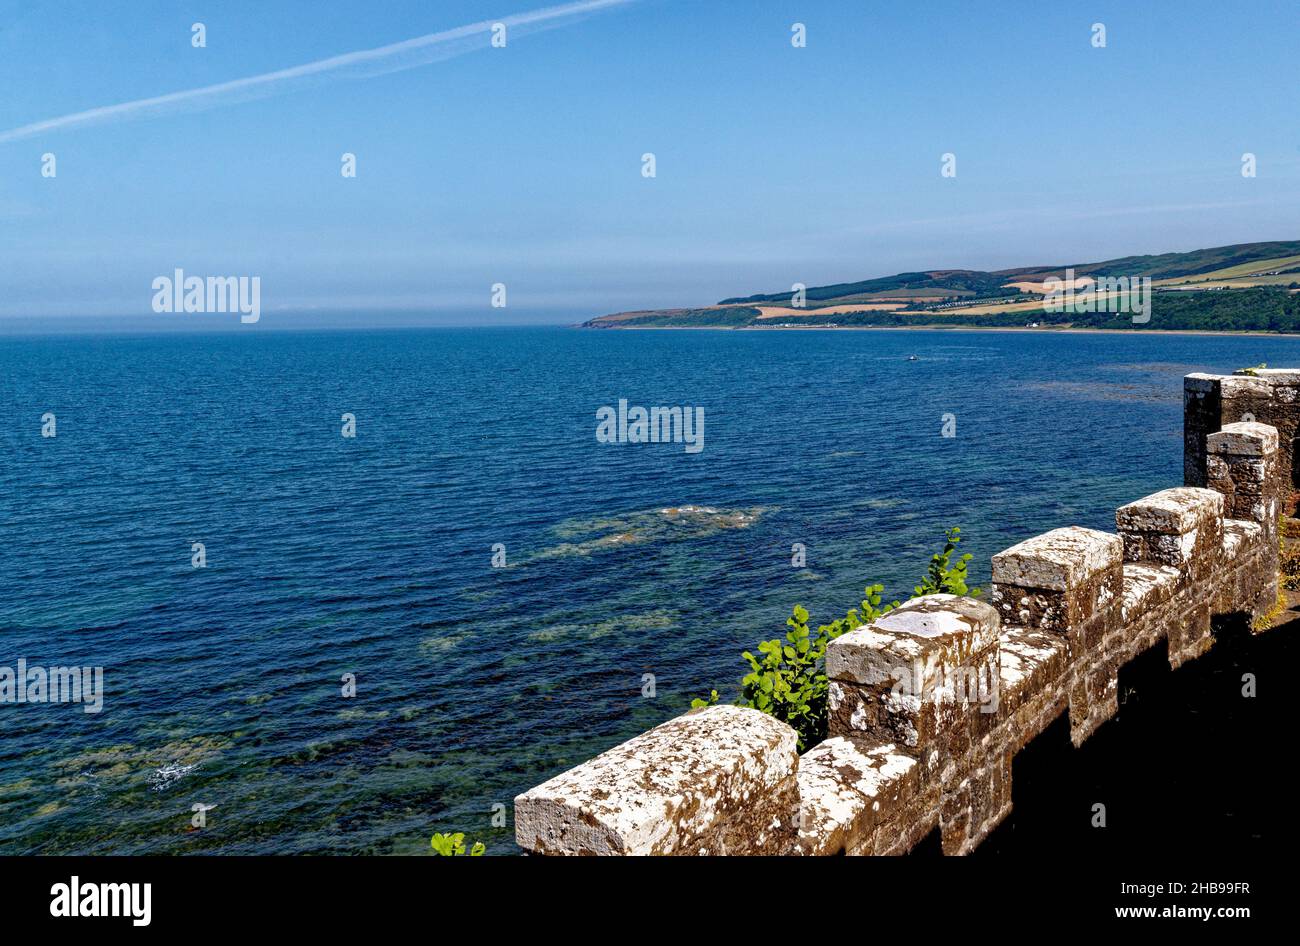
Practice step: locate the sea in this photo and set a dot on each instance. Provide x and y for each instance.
(346, 589)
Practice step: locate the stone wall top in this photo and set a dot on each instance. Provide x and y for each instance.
(1244, 385)
(1243, 439)
(924, 634)
(847, 787)
(1279, 375)
(689, 785)
(1170, 511)
(1059, 559)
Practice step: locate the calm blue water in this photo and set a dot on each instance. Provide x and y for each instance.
(373, 555)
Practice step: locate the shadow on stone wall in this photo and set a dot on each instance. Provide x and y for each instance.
(1188, 765)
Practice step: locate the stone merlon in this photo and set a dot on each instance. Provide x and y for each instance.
(924, 635)
(1244, 439)
(1059, 559)
(1171, 511)
(702, 783)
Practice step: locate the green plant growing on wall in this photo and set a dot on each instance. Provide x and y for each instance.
(788, 679)
(944, 577)
(867, 611)
(453, 845)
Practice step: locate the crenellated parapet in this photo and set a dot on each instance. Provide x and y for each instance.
(929, 704)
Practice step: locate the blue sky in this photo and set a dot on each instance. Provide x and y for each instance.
(522, 165)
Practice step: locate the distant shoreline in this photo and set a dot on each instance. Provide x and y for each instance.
(938, 328)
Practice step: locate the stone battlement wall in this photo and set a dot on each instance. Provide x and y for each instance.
(930, 703)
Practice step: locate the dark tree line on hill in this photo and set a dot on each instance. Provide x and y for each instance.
(1226, 310)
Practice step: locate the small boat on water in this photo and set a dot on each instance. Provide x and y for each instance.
(912, 358)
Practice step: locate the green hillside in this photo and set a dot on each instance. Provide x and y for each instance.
(944, 282)
(1169, 265)
(1243, 287)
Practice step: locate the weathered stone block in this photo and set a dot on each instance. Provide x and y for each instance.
(1243, 439)
(916, 816)
(1033, 661)
(1058, 560)
(1239, 536)
(917, 674)
(1146, 586)
(916, 643)
(1180, 527)
(851, 789)
(1171, 511)
(955, 818)
(990, 797)
(1240, 385)
(720, 780)
(1094, 696)
(1242, 465)
(1275, 376)
(1066, 581)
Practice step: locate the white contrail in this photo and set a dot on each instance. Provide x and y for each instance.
(397, 56)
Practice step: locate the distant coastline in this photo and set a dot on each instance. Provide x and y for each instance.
(1050, 329)
(1247, 287)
